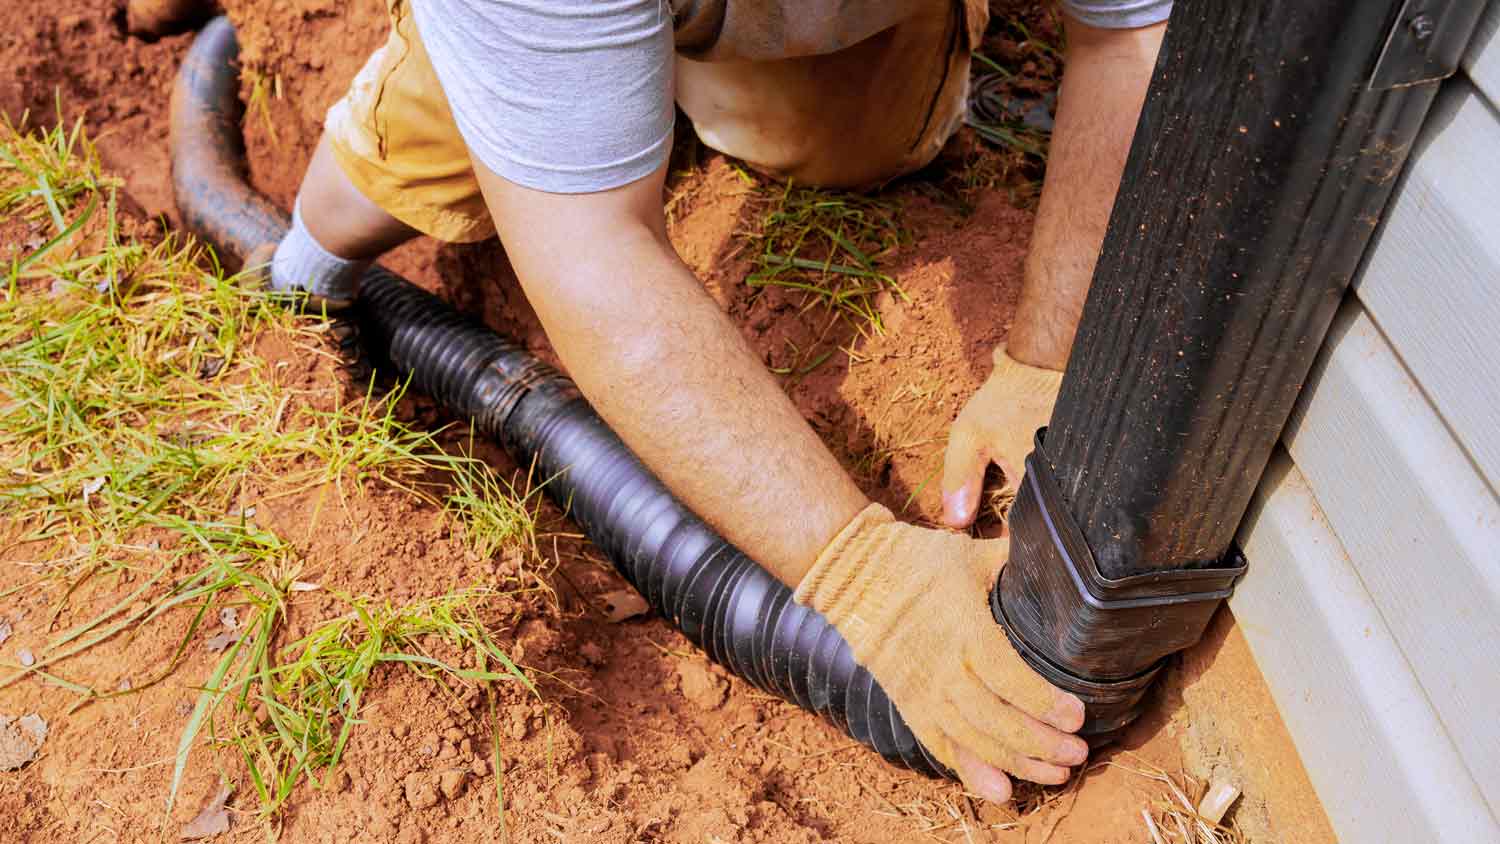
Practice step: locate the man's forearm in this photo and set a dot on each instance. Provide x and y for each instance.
(673, 376)
(670, 373)
(1103, 88)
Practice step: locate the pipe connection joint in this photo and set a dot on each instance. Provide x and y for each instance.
(1101, 639)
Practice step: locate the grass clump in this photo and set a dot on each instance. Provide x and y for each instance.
(137, 416)
(493, 512)
(294, 707)
(114, 412)
(829, 245)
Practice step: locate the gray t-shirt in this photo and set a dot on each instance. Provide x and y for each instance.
(575, 96)
(563, 96)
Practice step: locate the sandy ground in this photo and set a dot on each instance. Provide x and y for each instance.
(637, 737)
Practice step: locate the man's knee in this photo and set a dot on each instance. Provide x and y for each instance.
(853, 118)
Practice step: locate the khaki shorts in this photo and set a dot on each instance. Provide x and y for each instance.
(854, 116)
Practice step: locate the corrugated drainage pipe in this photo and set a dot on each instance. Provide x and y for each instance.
(719, 598)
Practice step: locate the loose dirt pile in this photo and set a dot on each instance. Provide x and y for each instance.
(633, 735)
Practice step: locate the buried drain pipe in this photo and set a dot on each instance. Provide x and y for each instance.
(719, 598)
(1271, 138)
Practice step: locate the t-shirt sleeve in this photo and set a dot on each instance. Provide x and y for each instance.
(1119, 14)
(563, 96)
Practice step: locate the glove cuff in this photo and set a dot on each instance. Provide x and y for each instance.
(1035, 380)
(846, 584)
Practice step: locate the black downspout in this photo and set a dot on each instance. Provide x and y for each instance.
(1270, 141)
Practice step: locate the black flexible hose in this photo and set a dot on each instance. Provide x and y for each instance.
(719, 598)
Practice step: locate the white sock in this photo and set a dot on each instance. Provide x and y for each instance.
(301, 263)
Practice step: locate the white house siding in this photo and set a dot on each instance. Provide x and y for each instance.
(1373, 599)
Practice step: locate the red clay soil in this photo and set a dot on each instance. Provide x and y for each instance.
(640, 738)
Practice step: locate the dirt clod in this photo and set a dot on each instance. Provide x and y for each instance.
(421, 790)
(451, 783)
(592, 653)
(20, 739)
(701, 685)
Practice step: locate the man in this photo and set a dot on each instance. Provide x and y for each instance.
(550, 122)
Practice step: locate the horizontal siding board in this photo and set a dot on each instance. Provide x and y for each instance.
(1420, 524)
(1377, 754)
(1482, 60)
(1432, 282)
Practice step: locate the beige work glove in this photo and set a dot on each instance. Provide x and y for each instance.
(913, 604)
(998, 425)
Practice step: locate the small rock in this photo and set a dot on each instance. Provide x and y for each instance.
(479, 768)
(451, 783)
(211, 820)
(5, 630)
(466, 747)
(518, 729)
(341, 781)
(210, 366)
(421, 792)
(20, 739)
(401, 730)
(221, 640)
(1216, 801)
(622, 604)
(701, 686)
(411, 834)
(26, 657)
(454, 735)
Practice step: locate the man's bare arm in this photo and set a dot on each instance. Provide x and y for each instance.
(1103, 88)
(669, 372)
(1099, 103)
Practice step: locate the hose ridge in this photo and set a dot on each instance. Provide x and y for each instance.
(721, 600)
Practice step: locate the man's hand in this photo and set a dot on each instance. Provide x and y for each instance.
(997, 425)
(912, 604)
(669, 372)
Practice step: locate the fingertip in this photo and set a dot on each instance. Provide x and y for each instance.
(1073, 752)
(1049, 774)
(1067, 713)
(986, 781)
